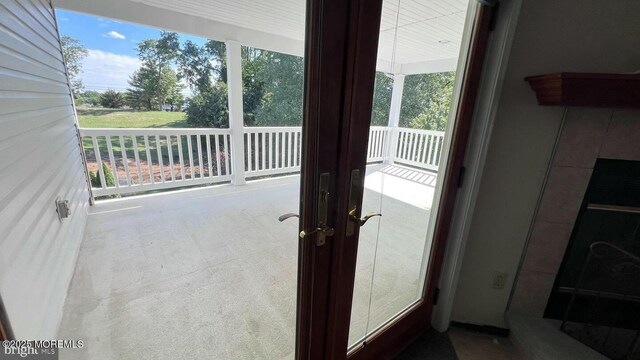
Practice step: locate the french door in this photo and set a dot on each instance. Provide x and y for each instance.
(366, 283)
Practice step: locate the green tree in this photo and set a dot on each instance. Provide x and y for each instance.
(195, 67)
(73, 52)
(253, 68)
(426, 100)
(204, 70)
(157, 55)
(175, 99)
(218, 52)
(209, 109)
(148, 91)
(165, 87)
(137, 96)
(89, 97)
(381, 99)
(282, 79)
(112, 99)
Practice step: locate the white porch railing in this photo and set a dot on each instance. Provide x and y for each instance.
(378, 136)
(152, 159)
(419, 148)
(272, 150)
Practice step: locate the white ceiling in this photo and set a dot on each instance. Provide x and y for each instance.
(429, 31)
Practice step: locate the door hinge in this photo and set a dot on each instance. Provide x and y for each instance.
(436, 295)
(494, 16)
(461, 176)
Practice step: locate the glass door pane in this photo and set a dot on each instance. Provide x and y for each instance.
(408, 143)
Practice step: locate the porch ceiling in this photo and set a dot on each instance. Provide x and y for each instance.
(429, 32)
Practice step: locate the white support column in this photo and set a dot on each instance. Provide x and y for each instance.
(236, 112)
(394, 117)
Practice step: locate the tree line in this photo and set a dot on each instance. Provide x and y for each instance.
(272, 86)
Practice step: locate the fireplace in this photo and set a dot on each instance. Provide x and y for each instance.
(597, 289)
(591, 194)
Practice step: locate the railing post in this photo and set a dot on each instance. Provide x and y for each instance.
(236, 112)
(391, 141)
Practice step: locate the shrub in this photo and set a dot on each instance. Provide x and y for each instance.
(88, 97)
(209, 109)
(108, 178)
(95, 180)
(112, 99)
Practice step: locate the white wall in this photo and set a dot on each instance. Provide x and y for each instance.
(551, 36)
(39, 160)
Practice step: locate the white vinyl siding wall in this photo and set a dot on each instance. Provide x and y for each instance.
(39, 160)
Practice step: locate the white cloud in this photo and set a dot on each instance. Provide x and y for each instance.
(104, 70)
(114, 35)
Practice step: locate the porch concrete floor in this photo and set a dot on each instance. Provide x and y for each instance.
(211, 273)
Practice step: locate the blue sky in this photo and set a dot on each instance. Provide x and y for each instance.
(112, 47)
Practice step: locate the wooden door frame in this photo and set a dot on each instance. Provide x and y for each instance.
(390, 339)
(364, 31)
(327, 23)
(340, 57)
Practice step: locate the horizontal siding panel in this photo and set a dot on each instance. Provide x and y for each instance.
(52, 273)
(9, 59)
(40, 159)
(21, 46)
(18, 81)
(13, 151)
(20, 204)
(42, 7)
(25, 204)
(18, 155)
(17, 102)
(45, 7)
(38, 220)
(44, 20)
(30, 25)
(19, 123)
(9, 21)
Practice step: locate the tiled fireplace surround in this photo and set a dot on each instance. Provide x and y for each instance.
(587, 134)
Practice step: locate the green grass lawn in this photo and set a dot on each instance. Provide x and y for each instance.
(93, 117)
(96, 117)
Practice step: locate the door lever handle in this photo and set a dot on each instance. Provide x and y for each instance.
(286, 216)
(323, 229)
(360, 222)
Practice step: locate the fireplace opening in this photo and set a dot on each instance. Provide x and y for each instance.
(596, 292)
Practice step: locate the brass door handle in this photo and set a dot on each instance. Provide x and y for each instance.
(286, 216)
(323, 229)
(360, 222)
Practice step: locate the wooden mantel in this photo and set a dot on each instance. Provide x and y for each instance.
(587, 89)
